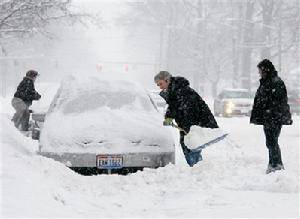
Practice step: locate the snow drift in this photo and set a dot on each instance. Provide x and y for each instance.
(229, 182)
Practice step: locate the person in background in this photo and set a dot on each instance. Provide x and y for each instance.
(23, 98)
(271, 110)
(184, 105)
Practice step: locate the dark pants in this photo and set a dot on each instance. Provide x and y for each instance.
(22, 114)
(185, 149)
(272, 133)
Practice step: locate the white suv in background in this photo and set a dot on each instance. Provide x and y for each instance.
(233, 102)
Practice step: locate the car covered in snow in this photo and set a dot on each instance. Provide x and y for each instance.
(232, 102)
(105, 126)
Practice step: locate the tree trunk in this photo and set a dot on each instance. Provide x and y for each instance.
(197, 74)
(267, 11)
(237, 58)
(247, 50)
(3, 71)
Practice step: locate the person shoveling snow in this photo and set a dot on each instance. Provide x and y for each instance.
(188, 109)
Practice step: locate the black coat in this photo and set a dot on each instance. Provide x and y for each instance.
(186, 106)
(26, 91)
(270, 106)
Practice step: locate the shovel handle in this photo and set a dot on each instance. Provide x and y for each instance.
(180, 129)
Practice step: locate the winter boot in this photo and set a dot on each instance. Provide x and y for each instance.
(273, 169)
(270, 169)
(279, 167)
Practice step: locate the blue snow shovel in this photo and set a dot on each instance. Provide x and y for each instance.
(193, 156)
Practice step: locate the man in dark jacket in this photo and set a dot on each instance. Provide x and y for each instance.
(184, 105)
(23, 98)
(271, 110)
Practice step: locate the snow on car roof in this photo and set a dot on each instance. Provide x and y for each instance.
(77, 94)
(76, 83)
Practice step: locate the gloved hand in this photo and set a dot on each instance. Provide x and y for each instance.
(168, 121)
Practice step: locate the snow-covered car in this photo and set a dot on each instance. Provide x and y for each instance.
(105, 126)
(231, 102)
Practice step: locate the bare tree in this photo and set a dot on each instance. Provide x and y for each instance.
(214, 41)
(21, 17)
(38, 19)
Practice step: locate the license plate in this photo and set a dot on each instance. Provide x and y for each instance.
(109, 161)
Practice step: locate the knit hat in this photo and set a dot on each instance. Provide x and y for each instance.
(32, 73)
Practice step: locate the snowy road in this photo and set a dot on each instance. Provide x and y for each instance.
(229, 182)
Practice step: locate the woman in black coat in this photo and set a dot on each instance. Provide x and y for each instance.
(271, 110)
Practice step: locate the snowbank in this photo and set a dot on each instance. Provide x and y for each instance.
(229, 182)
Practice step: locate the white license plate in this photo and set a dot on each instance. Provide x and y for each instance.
(109, 161)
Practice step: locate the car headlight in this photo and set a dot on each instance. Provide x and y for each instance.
(229, 106)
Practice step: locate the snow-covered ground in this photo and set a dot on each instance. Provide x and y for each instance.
(229, 182)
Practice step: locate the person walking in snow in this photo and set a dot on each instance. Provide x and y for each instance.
(271, 110)
(184, 105)
(23, 98)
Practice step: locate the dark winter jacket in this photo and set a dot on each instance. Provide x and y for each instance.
(186, 106)
(26, 91)
(270, 106)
